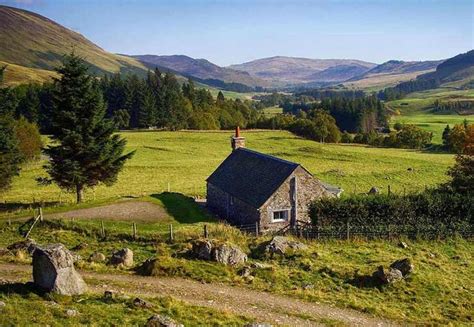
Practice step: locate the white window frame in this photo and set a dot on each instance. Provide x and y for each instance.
(287, 215)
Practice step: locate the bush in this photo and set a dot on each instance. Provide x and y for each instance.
(29, 139)
(443, 211)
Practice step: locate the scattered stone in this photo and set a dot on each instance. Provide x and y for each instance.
(389, 276)
(2, 305)
(258, 324)
(374, 190)
(224, 253)
(162, 321)
(258, 265)
(457, 257)
(80, 246)
(308, 286)
(147, 268)
(403, 245)
(97, 257)
(108, 295)
(28, 246)
(245, 271)
(281, 244)
(138, 302)
(71, 312)
(202, 249)
(228, 255)
(410, 169)
(431, 255)
(122, 257)
(405, 266)
(53, 270)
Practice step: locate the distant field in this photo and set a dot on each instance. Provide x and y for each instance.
(183, 160)
(416, 109)
(272, 111)
(377, 82)
(15, 74)
(232, 94)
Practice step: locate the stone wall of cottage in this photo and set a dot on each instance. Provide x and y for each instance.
(236, 212)
(308, 189)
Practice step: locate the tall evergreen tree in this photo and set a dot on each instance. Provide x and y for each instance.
(85, 152)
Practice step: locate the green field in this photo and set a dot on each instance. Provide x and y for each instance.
(181, 161)
(415, 109)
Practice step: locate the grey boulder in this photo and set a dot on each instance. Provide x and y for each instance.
(405, 266)
(228, 254)
(53, 270)
(162, 321)
(122, 257)
(389, 276)
(281, 245)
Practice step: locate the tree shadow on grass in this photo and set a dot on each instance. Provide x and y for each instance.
(365, 281)
(22, 289)
(183, 208)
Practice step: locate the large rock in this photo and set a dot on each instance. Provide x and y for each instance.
(388, 276)
(28, 246)
(53, 270)
(281, 244)
(122, 257)
(228, 255)
(97, 257)
(404, 266)
(374, 190)
(202, 249)
(162, 321)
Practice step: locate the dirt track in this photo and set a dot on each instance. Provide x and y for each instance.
(127, 210)
(262, 306)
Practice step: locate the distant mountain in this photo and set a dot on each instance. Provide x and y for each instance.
(31, 40)
(281, 71)
(200, 68)
(457, 70)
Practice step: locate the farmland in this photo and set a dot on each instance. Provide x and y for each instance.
(416, 109)
(181, 161)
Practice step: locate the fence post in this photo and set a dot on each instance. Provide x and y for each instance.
(134, 230)
(256, 229)
(389, 232)
(389, 190)
(171, 236)
(41, 214)
(9, 221)
(347, 231)
(102, 228)
(206, 233)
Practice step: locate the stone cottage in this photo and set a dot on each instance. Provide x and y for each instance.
(251, 187)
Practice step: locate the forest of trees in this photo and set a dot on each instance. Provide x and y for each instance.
(454, 107)
(400, 90)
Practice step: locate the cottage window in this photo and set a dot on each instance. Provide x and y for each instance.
(280, 215)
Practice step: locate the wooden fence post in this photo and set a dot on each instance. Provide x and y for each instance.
(256, 229)
(206, 233)
(171, 236)
(9, 221)
(389, 190)
(347, 231)
(41, 214)
(134, 230)
(102, 228)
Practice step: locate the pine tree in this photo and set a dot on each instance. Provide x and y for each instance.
(147, 116)
(84, 152)
(9, 154)
(220, 98)
(445, 137)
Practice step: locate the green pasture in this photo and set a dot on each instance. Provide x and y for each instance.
(181, 161)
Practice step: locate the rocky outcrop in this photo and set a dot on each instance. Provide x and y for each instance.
(97, 257)
(53, 270)
(405, 266)
(397, 271)
(227, 254)
(122, 257)
(162, 321)
(281, 245)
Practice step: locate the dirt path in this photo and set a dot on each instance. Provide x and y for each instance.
(262, 306)
(127, 210)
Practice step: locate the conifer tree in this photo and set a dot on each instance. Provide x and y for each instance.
(84, 151)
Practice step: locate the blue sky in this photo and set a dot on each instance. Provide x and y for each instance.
(227, 32)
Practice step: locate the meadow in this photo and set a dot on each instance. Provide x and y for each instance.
(416, 109)
(181, 162)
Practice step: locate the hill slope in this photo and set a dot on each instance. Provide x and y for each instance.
(200, 68)
(457, 70)
(31, 40)
(282, 71)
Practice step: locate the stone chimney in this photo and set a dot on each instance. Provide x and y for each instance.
(237, 141)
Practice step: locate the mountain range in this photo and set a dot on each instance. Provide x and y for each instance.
(32, 46)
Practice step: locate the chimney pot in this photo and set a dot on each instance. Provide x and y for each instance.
(237, 141)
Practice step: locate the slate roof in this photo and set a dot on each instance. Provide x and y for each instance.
(251, 176)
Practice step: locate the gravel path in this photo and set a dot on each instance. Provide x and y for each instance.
(262, 306)
(127, 210)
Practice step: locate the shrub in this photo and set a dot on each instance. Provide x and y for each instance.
(29, 139)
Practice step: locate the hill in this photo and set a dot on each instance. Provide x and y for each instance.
(391, 73)
(456, 71)
(33, 41)
(283, 71)
(201, 69)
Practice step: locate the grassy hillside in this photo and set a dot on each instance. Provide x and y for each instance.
(15, 74)
(31, 40)
(183, 160)
(379, 81)
(416, 109)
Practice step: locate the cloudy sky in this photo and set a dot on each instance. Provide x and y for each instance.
(227, 32)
